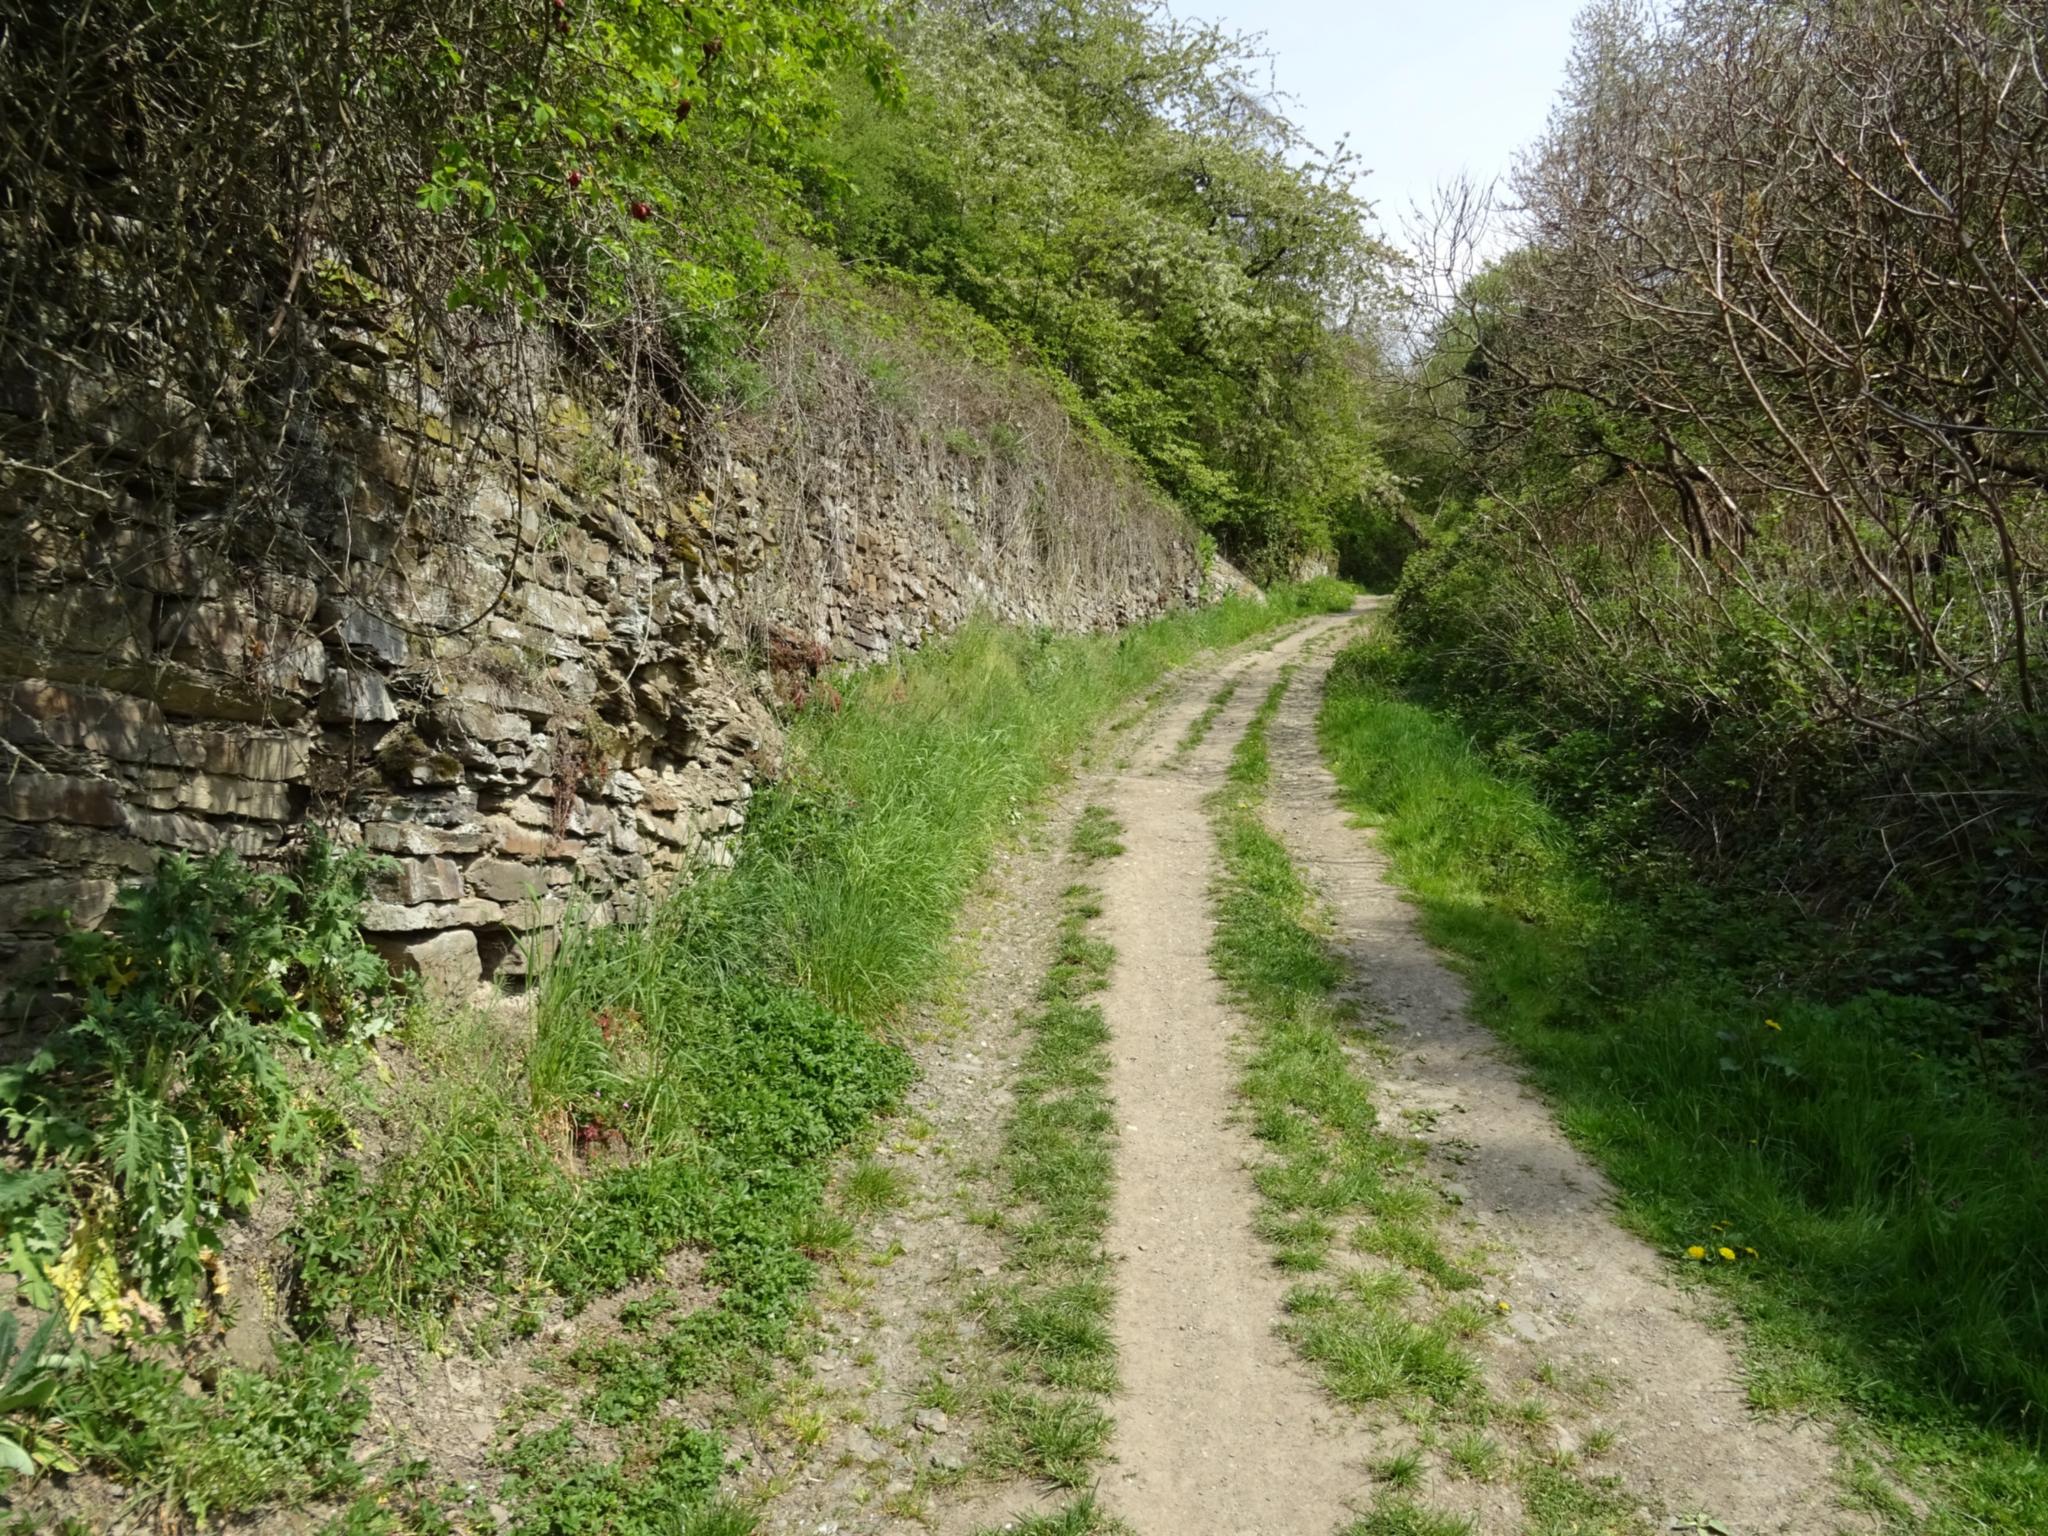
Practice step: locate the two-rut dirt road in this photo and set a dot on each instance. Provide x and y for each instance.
(1219, 1429)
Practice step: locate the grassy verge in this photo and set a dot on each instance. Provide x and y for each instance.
(1386, 1309)
(1839, 1173)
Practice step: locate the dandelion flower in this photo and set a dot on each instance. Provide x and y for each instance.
(1727, 1254)
(1501, 1306)
(1750, 1251)
(1773, 1024)
(1695, 1252)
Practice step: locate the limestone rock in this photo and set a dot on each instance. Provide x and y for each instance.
(419, 838)
(352, 696)
(410, 882)
(26, 796)
(507, 880)
(393, 917)
(449, 964)
(84, 902)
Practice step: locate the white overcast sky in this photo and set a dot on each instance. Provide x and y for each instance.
(1423, 89)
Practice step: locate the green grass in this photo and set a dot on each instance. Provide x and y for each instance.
(1401, 1471)
(1397, 1515)
(871, 1187)
(1050, 1317)
(1881, 1195)
(1392, 1334)
(1083, 1517)
(1199, 728)
(1061, 1439)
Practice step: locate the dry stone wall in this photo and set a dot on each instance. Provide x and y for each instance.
(483, 640)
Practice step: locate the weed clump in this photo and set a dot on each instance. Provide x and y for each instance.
(144, 1125)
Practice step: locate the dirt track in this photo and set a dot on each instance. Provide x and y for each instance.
(1220, 1430)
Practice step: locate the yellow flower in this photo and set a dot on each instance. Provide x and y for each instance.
(1726, 1253)
(1695, 1252)
(1773, 1024)
(1501, 1306)
(1750, 1251)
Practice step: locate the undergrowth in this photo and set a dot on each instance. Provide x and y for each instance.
(1841, 1174)
(141, 1128)
(1384, 1310)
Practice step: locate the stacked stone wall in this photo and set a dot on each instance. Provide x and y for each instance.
(526, 664)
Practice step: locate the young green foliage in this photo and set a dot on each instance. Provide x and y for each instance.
(144, 1124)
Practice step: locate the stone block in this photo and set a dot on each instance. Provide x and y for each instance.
(280, 756)
(352, 696)
(449, 964)
(27, 903)
(673, 830)
(480, 722)
(521, 842)
(234, 636)
(561, 613)
(501, 693)
(27, 796)
(208, 695)
(394, 917)
(507, 880)
(108, 625)
(529, 812)
(118, 725)
(405, 759)
(410, 882)
(219, 795)
(363, 633)
(420, 838)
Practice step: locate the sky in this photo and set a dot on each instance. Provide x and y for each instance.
(1422, 88)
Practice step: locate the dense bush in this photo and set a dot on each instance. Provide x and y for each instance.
(141, 1129)
(1742, 538)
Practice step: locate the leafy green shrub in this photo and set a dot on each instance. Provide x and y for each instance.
(559, 1489)
(259, 1437)
(144, 1123)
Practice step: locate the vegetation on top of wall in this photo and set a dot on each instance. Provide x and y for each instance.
(1115, 191)
(203, 201)
(1058, 501)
